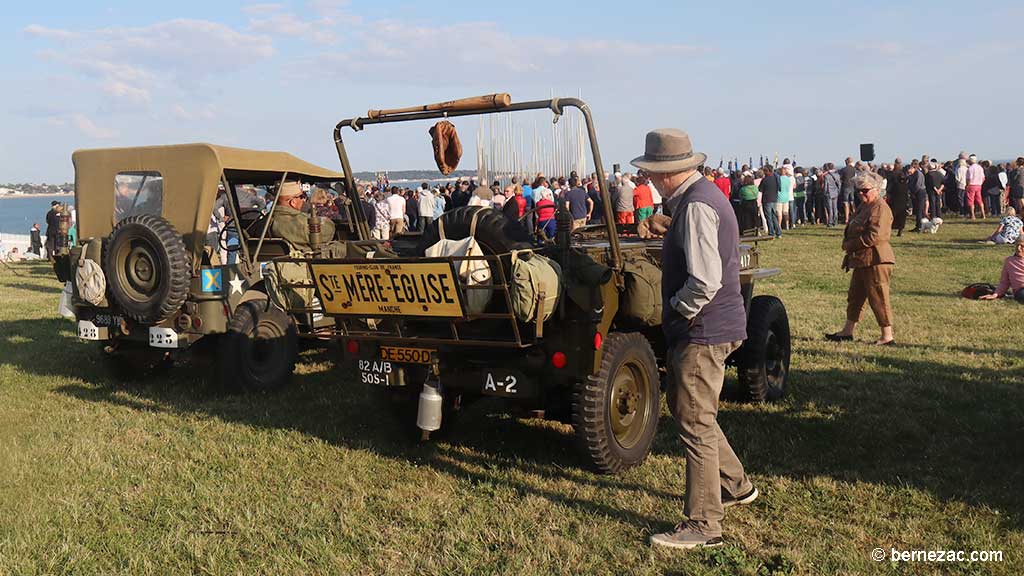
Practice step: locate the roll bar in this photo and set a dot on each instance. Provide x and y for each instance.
(557, 107)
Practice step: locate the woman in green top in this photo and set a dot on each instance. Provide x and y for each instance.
(786, 186)
(747, 215)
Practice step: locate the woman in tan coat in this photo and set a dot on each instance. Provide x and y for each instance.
(869, 255)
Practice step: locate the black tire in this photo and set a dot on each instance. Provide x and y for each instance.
(134, 361)
(626, 390)
(259, 350)
(147, 268)
(762, 363)
(495, 233)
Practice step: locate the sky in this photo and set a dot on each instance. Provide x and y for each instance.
(806, 79)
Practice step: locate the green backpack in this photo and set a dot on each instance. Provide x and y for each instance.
(531, 275)
(641, 301)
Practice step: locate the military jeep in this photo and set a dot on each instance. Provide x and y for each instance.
(156, 272)
(407, 327)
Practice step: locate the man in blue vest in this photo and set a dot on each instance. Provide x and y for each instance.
(704, 320)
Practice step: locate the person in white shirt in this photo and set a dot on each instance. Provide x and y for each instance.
(426, 205)
(396, 202)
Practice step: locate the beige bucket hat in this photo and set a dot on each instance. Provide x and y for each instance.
(668, 150)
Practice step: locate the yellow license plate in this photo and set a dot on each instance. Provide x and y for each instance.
(389, 289)
(405, 355)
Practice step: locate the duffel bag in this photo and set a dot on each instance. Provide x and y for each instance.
(533, 274)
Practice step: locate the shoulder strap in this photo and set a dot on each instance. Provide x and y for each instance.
(440, 228)
(515, 254)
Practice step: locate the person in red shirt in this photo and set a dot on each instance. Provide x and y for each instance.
(643, 200)
(723, 182)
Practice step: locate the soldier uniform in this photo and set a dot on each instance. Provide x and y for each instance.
(292, 224)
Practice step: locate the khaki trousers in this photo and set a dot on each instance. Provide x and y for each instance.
(397, 227)
(696, 373)
(871, 284)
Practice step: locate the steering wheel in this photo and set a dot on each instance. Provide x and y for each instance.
(222, 238)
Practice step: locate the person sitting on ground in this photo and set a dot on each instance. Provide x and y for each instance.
(13, 255)
(290, 222)
(1011, 281)
(1009, 229)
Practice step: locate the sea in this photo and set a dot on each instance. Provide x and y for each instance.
(19, 212)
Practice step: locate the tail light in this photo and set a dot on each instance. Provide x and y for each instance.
(558, 360)
(352, 347)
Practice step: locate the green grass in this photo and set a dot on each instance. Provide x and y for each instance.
(912, 447)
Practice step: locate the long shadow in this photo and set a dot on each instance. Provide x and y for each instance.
(41, 288)
(950, 431)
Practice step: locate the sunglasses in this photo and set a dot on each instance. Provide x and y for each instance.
(864, 190)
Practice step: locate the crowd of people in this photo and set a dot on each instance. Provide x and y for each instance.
(769, 199)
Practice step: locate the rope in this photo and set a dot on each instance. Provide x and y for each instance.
(90, 281)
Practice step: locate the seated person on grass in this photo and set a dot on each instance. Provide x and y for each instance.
(1012, 279)
(1009, 229)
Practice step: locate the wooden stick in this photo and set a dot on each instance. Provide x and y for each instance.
(477, 102)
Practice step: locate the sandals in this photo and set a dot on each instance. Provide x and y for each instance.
(838, 337)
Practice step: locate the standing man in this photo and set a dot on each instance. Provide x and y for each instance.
(935, 184)
(704, 321)
(426, 206)
(961, 182)
(580, 205)
(846, 196)
(35, 240)
(624, 200)
(52, 228)
(975, 179)
(918, 193)
(396, 204)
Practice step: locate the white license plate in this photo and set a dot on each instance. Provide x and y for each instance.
(376, 372)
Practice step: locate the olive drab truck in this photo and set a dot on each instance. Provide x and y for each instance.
(172, 253)
(566, 328)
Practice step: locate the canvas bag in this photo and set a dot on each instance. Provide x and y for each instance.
(531, 275)
(471, 272)
(641, 302)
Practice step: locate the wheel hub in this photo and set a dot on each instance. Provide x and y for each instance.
(628, 405)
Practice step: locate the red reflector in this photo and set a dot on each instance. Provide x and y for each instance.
(598, 340)
(352, 347)
(197, 322)
(558, 360)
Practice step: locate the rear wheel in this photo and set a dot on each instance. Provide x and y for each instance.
(260, 347)
(615, 412)
(763, 361)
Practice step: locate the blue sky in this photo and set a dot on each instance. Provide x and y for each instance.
(813, 79)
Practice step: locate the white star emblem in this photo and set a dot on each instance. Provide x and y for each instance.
(236, 284)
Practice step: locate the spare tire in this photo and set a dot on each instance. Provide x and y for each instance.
(495, 233)
(147, 268)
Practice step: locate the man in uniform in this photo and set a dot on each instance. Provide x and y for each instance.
(291, 223)
(704, 321)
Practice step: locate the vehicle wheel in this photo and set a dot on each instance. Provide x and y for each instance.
(615, 412)
(147, 268)
(762, 363)
(259, 349)
(129, 362)
(495, 233)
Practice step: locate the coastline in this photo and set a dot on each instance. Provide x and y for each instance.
(2, 196)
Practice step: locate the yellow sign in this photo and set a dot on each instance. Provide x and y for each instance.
(389, 289)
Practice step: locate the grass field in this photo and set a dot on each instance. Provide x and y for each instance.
(918, 446)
